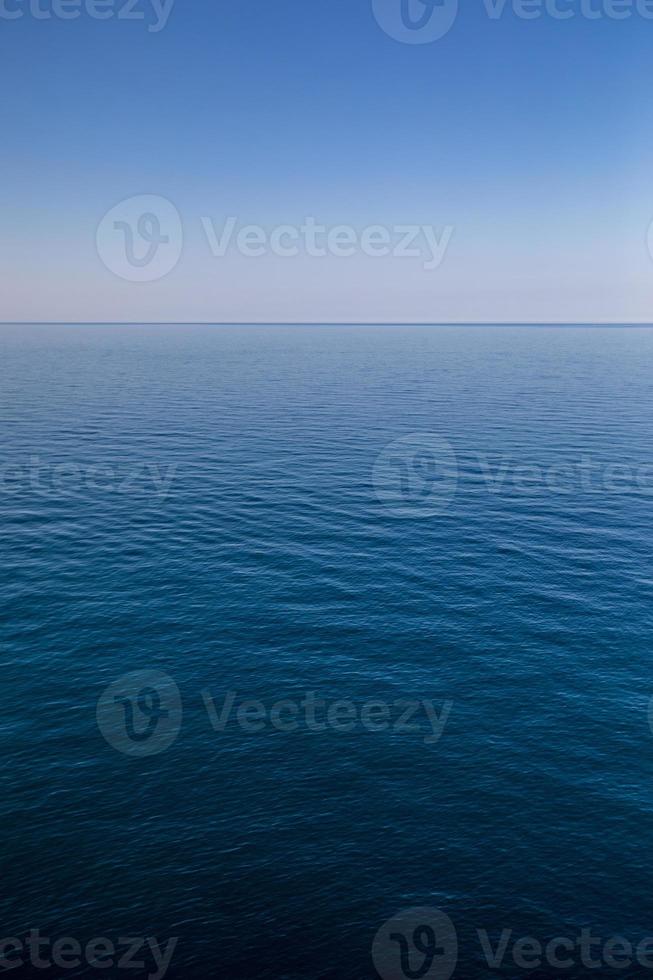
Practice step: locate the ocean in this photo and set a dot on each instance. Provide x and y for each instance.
(326, 651)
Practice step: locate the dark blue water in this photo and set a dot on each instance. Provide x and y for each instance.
(230, 519)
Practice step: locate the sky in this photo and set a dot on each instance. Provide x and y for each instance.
(326, 160)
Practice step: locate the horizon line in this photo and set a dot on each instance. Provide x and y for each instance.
(325, 323)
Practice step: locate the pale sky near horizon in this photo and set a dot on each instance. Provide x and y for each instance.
(523, 146)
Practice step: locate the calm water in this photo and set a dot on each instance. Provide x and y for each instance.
(229, 517)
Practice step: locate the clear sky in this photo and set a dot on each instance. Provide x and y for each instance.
(524, 145)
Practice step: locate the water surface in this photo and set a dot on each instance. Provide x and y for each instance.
(220, 519)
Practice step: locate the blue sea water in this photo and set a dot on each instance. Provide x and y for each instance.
(461, 515)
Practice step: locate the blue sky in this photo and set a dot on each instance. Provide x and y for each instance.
(531, 140)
